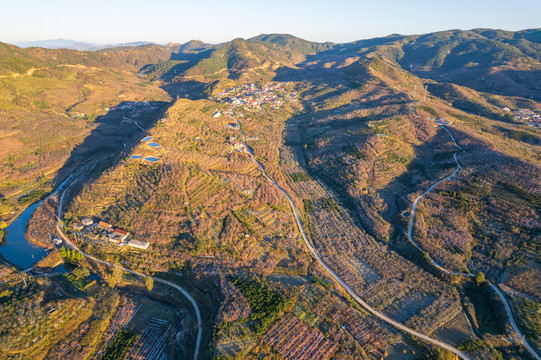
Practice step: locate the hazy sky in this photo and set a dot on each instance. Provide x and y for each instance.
(214, 21)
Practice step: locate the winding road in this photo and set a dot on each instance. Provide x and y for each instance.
(416, 202)
(441, 268)
(350, 291)
(177, 287)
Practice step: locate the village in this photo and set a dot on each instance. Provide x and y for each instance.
(253, 97)
(526, 115)
(105, 233)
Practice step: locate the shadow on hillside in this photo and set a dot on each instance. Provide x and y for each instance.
(115, 134)
(192, 90)
(185, 61)
(304, 72)
(503, 82)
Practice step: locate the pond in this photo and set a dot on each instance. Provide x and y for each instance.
(135, 157)
(151, 159)
(148, 138)
(153, 144)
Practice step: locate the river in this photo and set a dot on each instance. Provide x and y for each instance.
(16, 249)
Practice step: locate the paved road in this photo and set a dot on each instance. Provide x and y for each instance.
(416, 202)
(334, 275)
(494, 287)
(184, 292)
(513, 322)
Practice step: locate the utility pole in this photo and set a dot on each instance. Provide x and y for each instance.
(424, 98)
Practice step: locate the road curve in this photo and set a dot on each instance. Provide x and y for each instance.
(374, 312)
(184, 292)
(494, 287)
(513, 322)
(416, 202)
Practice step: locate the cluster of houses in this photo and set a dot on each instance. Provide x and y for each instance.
(442, 121)
(253, 97)
(77, 114)
(237, 145)
(135, 107)
(105, 231)
(527, 115)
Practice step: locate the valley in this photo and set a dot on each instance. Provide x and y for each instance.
(276, 198)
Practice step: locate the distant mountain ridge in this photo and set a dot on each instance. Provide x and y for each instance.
(75, 45)
(489, 60)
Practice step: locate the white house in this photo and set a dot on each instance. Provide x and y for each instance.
(217, 114)
(87, 222)
(138, 244)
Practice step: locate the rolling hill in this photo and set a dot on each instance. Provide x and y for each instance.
(351, 132)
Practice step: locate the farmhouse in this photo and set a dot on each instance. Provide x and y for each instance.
(78, 227)
(103, 225)
(442, 121)
(118, 235)
(239, 146)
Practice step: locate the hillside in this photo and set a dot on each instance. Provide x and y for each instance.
(292, 43)
(318, 200)
(53, 102)
(242, 58)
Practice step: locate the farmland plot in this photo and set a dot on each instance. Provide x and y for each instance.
(235, 307)
(151, 344)
(294, 340)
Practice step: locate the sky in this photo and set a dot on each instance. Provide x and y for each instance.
(215, 21)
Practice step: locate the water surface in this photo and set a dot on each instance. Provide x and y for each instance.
(16, 248)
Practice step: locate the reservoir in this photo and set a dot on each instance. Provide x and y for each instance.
(15, 248)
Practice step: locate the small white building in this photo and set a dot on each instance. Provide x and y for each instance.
(57, 241)
(138, 244)
(87, 222)
(78, 227)
(217, 114)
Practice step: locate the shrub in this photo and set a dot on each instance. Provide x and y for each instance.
(266, 304)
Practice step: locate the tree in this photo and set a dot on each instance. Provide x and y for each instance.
(480, 277)
(81, 272)
(149, 282)
(116, 277)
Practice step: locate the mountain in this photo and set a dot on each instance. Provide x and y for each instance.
(493, 61)
(59, 44)
(194, 46)
(241, 57)
(74, 45)
(292, 43)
